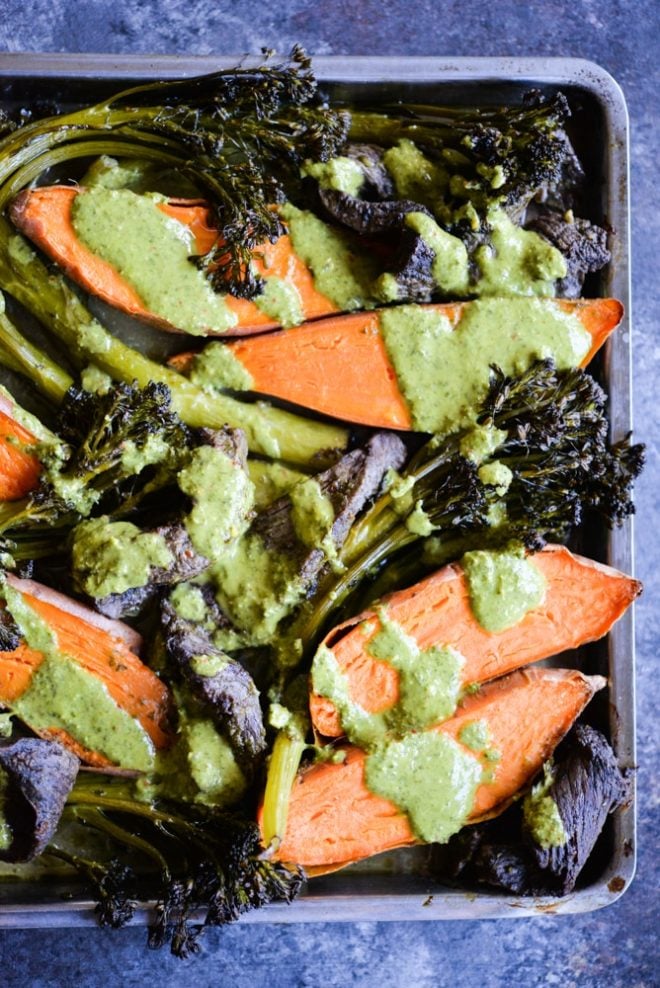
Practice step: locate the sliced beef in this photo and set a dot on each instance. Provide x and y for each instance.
(186, 563)
(582, 243)
(377, 180)
(412, 266)
(227, 694)
(350, 484)
(588, 785)
(366, 217)
(38, 777)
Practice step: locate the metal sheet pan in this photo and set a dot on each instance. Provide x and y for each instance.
(396, 886)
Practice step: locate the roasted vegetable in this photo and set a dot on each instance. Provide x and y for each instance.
(70, 659)
(237, 134)
(205, 860)
(336, 816)
(562, 467)
(352, 349)
(581, 602)
(44, 215)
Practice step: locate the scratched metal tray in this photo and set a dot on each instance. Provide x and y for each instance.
(399, 886)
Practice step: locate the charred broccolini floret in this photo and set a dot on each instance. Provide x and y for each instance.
(484, 156)
(555, 443)
(210, 866)
(110, 439)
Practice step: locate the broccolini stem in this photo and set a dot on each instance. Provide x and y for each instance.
(282, 769)
(20, 355)
(99, 821)
(47, 296)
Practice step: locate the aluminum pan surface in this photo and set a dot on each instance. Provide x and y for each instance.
(388, 894)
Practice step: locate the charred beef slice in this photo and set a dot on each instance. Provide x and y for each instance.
(588, 785)
(350, 484)
(37, 776)
(229, 696)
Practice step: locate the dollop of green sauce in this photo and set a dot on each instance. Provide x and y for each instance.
(222, 495)
(342, 272)
(111, 557)
(429, 777)
(418, 522)
(151, 251)
(271, 481)
(199, 768)
(450, 266)
(217, 367)
(480, 442)
(541, 814)
(63, 695)
(256, 587)
(516, 261)
(497, 475)
(474, 735)
(444, 372)
(415, 176)
(281, 301)
(313, 517)
(503, 585)
(188, 602)
(340, 173)
(429, 685)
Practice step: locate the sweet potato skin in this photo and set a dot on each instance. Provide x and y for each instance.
(583, 600)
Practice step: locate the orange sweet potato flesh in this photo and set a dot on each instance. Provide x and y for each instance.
(19, 469)
(131, 684)
(44, 215)
(582, 601)
(342, 368)
(334, 819)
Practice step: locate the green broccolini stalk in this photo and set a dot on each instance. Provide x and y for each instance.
(23, 357)
(237, 134)
(555, 443)
(50, 299)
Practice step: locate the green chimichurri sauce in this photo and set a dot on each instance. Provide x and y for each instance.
(541, 814)
(6, 833)
(429, 685)
(503, 585)
(443, 371)
(343, 272)
(217, 367)
(151, 251)
(222, 495)
(340, 173)
(429, 777)
(111, 557)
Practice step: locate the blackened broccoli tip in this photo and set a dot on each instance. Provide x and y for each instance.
(236, 134)
(211, 867)
(562, 464)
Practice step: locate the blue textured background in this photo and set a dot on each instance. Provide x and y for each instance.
(614, 947)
